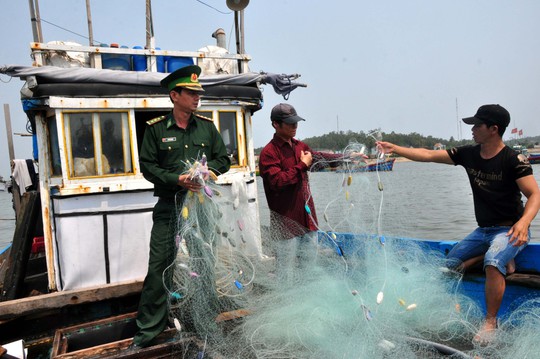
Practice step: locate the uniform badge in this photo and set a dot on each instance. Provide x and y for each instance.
(168, 139)
(193, 77)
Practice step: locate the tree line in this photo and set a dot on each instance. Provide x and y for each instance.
(337, 141)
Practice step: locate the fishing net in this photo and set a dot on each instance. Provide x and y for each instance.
(324, 294)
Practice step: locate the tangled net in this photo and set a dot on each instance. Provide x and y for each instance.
(361, 295)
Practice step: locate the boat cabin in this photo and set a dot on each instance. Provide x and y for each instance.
(88, 115)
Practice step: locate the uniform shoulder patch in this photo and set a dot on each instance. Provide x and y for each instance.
(203, 117)
(156, 120)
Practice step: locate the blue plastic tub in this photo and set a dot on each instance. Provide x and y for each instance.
(115, 61)
(138, 61)
(175, 63)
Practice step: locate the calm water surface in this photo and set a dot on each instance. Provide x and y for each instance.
(419, 200)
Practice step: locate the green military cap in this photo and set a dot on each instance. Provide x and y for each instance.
(185, 77)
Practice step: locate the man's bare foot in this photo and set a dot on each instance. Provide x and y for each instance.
(486, 334)
(511, 266)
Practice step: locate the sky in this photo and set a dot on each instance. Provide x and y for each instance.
(403, 66)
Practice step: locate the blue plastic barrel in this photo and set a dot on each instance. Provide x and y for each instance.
(138, 61)
(160, 62)
(175, 63)
(115, 61)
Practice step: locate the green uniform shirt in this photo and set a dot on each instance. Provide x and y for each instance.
(166, 148)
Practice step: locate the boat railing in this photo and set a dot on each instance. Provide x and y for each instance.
(94, 56)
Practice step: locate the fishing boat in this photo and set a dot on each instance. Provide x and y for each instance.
(379, 165)
(534, 158)
(74, 271)
(521, 285)
(80, 246)
(347, 167)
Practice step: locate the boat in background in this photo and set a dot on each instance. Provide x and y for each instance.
(346, 166)
(4, 184)
(534, 158)
(377, 166)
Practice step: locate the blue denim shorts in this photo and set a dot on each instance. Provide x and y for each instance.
(489, 241)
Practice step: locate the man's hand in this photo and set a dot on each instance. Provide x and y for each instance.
(518, 234)
(306, 158)
(191, 184)
(385, 147)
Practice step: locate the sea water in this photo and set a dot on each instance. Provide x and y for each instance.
(419, 200)
(7, 219)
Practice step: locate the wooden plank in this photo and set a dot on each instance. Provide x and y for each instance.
(21, 246)
(167, 347)
(60, 343)
(25, 306)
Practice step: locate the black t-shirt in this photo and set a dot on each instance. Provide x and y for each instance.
(497, 198)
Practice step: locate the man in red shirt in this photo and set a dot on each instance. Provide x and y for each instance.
(283, 165)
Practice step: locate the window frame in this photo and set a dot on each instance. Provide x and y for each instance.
(97, 117)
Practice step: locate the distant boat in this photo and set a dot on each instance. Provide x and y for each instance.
(385, 165)
(534, 158)
(3, 184)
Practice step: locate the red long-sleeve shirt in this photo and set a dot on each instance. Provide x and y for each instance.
(286, 181)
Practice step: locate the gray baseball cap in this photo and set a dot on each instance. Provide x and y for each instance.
(284, 112)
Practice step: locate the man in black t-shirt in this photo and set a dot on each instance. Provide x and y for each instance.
(498, 176)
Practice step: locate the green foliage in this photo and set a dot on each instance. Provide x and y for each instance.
(337, 141)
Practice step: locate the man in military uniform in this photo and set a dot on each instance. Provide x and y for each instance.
(169, 141)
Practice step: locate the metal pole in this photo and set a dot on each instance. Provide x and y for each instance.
(237, 32)
(242, 43)
(9, 133)
(149, 26)
(89, 19)
(40, 34)
(33, 20)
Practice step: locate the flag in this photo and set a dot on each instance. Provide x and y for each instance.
(521, 132)
(514, 130)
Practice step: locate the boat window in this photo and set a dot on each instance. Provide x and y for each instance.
(207, 114)
(97, 143)
(227, 128)
(115, 144)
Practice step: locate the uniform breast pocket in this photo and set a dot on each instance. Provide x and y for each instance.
(170, 155)
(200, 146)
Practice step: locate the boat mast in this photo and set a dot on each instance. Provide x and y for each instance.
(36, 21)
(89, 19)
(458, 123)
(150, 41)
(238, 7)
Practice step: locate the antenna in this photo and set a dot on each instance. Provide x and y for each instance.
(458, 122)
